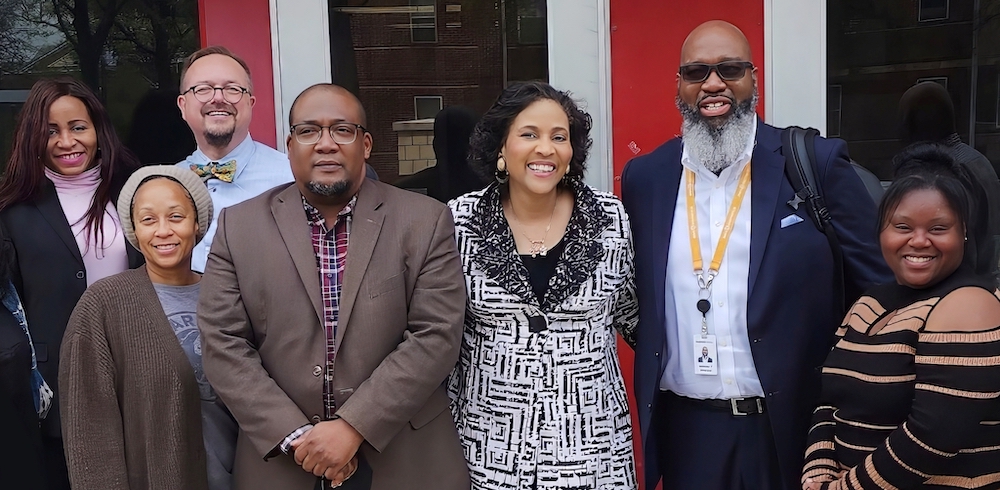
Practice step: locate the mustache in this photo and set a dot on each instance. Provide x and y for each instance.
(218, 107)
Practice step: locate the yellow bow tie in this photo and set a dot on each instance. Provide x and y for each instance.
(222, 171)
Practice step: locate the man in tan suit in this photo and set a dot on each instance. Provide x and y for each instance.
(332, 356)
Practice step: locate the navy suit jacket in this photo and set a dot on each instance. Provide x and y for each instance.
(791, 315)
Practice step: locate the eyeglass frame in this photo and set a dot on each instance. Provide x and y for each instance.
(329, 129)
(747, 65)
(243, 91)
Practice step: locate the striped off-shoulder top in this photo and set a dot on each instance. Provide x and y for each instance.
(905, 408)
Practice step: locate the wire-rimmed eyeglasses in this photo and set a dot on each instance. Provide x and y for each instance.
(342, 133)
(232, 93)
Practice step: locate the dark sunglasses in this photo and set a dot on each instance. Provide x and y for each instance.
(727, 70)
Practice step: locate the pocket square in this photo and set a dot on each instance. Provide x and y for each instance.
(790, 220)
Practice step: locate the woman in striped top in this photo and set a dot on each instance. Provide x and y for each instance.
(911, 391)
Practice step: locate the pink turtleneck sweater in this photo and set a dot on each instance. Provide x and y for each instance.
(101, 258)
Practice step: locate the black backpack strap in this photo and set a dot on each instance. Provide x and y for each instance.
(800, 167)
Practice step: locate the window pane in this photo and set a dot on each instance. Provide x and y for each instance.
(134, 68)
(877, 50)
(407, 59)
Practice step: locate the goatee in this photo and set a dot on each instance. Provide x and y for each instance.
(718, 146)
(336, 189)
(219, 140)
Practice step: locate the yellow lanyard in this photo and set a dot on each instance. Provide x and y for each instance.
(727, 229)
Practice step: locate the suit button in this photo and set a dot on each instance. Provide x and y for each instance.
(80, 274)
(656, 354)
(316, 419)
(317, 370)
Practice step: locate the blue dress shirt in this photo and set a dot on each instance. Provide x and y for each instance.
(258, 168)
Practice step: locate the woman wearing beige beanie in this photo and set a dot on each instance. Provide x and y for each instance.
(137, 410)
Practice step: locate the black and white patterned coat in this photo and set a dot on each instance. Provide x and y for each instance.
(538, 395)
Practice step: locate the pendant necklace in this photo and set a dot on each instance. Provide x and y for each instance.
(537, 246)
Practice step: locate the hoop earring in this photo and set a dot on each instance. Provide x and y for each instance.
(501, 173)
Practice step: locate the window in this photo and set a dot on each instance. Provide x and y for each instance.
(933, 10)
(426, 106)
(136, 72)
(472, 49)
(423, 21)
(833, 103)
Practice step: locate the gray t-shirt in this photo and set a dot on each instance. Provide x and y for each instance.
(219, 429)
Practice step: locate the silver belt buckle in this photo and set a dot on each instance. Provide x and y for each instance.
(736, 410)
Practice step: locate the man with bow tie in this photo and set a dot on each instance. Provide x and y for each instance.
(216, 100)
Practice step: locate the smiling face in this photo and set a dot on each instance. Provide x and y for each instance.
(72, 146)
(166, 226)
(715, 99)
(537, 149)
(328, 172)
(216, 124)
(923, 240)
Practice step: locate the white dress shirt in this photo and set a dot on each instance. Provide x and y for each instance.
(727, 318)
(258, 168)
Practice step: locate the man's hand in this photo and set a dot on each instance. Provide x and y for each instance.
(328, 450)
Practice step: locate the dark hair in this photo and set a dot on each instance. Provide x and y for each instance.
(332, 88)
(926, 113)
(929, 166)
(25, 173)
(203, 52)
(492, 129)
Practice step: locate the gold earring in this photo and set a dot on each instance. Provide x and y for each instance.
(501, 173)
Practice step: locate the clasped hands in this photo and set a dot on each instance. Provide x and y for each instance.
(329, 450)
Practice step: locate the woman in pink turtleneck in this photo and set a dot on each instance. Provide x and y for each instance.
(57, 205)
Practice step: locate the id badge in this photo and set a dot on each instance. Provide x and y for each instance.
(706, 362)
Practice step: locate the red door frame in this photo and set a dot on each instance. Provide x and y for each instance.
(244, 26)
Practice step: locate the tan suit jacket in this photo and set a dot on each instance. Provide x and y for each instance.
(401, 311)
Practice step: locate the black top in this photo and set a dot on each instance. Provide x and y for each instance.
(541, 267)
(906, 408)
(21, 451)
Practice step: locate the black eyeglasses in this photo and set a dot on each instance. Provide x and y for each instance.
(342, 133)
(727, 70)
(204, 93)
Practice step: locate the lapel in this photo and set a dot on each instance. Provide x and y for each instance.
(290, 218)
(50, 209)
(662, 203)
(366, 224)
(767, 174)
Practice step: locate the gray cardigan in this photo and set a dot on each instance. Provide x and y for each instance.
(131, 411)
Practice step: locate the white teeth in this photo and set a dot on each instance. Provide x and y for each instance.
(714, 105)
(218, 113)
(165, 247)
(542, 167)
(917, 259)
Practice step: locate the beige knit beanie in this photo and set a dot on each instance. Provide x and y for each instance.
(186, 178)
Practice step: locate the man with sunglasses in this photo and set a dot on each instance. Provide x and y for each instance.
(216, 100)
(332, 312)
(760, 301)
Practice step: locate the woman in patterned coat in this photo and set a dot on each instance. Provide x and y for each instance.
(538, 395)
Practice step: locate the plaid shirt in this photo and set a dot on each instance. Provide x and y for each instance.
(330, 247)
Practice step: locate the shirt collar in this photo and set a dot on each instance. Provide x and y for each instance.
(315, 218)
(729, 173)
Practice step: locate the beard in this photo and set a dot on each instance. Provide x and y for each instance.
(717, 146)
(336, 189)
(219, 139)
(220, 136)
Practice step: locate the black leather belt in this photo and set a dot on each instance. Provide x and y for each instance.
(751, 405)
